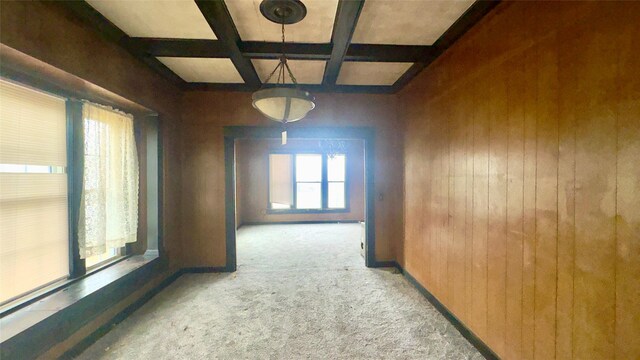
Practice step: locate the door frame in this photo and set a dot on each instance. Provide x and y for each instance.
(232, 133)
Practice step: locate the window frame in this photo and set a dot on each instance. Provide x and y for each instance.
(75, 164)
(324, 184)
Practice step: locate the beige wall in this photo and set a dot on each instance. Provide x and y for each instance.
(522, 180)
(205, 115)
(252, 167)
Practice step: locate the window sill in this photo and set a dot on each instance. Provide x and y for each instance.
(307, 211)
(73, 306)
(53, 287)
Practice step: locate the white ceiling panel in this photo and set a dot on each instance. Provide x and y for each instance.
(205, 70)
(305, 71)
(179, 19)
(371, 73)
(406, 22)
(316, 27)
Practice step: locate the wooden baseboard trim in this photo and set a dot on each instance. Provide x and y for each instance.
(388, 264)
(464, 331)
(302, 222)
(206, 269)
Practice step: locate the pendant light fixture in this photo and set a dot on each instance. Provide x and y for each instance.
(281, 102)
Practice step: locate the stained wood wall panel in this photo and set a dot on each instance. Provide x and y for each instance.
(496, 238)
(628, 197)
(525, 137)
(546, 198)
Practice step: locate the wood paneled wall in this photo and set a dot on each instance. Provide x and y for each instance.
(252, 172)
(522, 180)
(205, 115)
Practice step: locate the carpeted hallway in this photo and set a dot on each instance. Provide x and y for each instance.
(300, 292)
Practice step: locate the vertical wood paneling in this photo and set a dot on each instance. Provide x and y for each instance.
(566, 199)
(497, 231)
(595, 251)
(480, 210)
(445, 200)
(457, 262)
(425, 239)
(515, 204)
(628, 196)
(546, 200)
(533, 143)
(467, 106)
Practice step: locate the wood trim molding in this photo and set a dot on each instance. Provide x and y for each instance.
(343, 28)
(220, 21)
(483, 348)
(273, 50)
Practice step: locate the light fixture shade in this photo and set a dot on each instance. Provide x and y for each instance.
(283, 104)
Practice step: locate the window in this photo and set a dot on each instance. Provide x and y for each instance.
(34, 233)
(307, 182)
(61, 201)
(108, 217)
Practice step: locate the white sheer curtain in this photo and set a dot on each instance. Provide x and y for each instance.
(108, 215)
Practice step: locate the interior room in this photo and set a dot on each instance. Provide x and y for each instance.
(299, 184)
(313, 179)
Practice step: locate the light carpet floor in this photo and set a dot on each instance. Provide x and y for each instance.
(300, 292)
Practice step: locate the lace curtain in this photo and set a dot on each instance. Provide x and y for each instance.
(109, 202)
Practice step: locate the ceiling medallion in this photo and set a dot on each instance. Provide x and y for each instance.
(279, 101)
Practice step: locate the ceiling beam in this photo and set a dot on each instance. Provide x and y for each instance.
(273, 50)
(389, 53)
(313, 88)
(109, 31)
(180, 47)
(345, 24)
(241, 53)
(470, 17)
(220, 21)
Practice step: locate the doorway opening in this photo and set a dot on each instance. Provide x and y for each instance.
(321, 182)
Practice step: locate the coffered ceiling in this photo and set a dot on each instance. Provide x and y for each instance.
(340, 46)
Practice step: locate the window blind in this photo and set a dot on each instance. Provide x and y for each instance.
(34, 241)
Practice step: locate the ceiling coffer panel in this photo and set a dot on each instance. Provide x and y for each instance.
(405, 22)
(371, 73)
(172, 19)
(305, 71)
(203, 70)
(316, 27)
